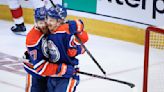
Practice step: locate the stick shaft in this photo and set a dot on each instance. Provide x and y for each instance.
(91, 56)
(107, 78)
(52, 3)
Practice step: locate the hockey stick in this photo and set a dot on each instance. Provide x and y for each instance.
(91, 56)
(107, 78)
(88, 52)
(52, 3)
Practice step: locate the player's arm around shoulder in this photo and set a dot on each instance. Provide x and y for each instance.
(63, 28)
(33, 37)
(50, 69)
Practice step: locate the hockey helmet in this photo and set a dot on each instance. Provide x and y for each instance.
(40, 13)
(58, 12)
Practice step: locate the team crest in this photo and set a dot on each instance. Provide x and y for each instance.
(54, 54)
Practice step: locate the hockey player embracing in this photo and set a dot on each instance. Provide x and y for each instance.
(63, 47)
(57, 52)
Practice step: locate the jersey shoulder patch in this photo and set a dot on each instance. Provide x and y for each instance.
(33, 37)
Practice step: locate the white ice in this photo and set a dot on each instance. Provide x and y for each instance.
(121, 60)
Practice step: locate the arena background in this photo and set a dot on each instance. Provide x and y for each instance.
(110, 20)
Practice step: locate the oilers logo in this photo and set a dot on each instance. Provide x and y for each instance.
(54, 54)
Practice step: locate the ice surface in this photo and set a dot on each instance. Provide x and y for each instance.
(121, 60)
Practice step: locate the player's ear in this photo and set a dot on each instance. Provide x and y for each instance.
(60, 21)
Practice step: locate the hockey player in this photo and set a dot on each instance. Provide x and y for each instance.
(34, 39)
(63, 47)
(38, 66)
(17, 14)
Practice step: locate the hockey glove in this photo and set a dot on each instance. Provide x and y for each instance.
(76, 26)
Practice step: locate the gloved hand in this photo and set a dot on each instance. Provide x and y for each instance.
(76, 26)
(66, 71)
(26, 55)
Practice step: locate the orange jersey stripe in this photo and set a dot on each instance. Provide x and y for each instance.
(71, 85)
(28, 64)
(28, 83)
(50, 69)
(63, 69)
(40, 67)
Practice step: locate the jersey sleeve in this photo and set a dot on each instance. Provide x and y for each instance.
(33, 44)
(76, 28)
(74, 47)
(45, 69)
(34, 48)
(49, 69)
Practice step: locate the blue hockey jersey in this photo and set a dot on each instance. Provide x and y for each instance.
(37, 65)
(63, 46)
(61, 49)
